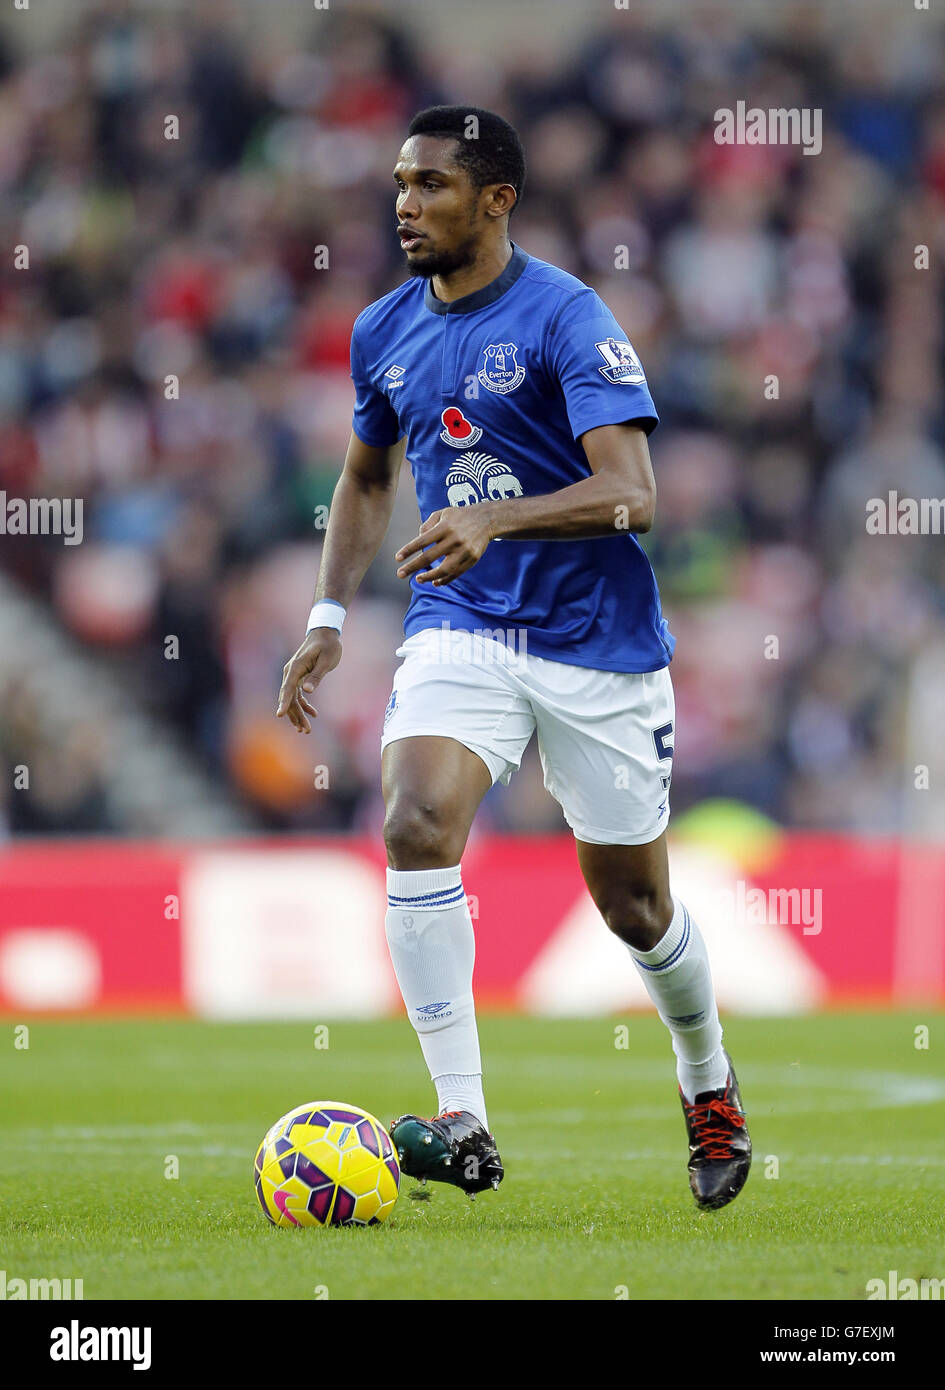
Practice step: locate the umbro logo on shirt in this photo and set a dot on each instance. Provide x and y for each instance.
(393, 375)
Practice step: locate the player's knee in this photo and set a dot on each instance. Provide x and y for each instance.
(420, 835)
(640, 918)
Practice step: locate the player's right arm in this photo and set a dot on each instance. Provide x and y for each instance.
(360, 514)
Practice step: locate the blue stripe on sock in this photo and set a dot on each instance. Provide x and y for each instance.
(444, 897)
(426, 897)
(674, 955)
(432, 893)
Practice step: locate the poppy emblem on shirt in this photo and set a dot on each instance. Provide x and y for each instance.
(501, 371)
(457, 431)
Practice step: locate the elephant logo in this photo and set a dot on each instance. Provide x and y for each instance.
(503, 485)
(501, 371)
(461, 494)
(477, 477)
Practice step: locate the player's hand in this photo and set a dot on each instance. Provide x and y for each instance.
(318, 654)
(456, 535)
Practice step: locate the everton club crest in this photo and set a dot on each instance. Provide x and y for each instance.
(501, 371)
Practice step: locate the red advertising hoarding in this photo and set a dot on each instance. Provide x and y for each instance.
(296, 929)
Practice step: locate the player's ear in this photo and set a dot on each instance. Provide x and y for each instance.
(502, 200)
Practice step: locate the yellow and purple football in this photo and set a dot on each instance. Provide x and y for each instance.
(327, 1163)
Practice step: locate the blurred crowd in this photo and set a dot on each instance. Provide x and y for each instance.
(173, 355)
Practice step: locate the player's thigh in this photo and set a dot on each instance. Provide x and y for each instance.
(455, 724)
(432, 789)
(606, 744)
(628, 883)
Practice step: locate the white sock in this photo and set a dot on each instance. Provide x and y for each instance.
(678, 980)
(433, 948)
(457, 1092)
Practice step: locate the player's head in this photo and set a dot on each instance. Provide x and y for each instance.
(459, 175)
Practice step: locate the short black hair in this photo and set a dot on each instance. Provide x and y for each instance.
(495, 155)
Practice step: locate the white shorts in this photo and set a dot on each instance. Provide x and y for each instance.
(605, 737)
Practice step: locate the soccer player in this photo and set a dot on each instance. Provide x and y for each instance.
(533, 608)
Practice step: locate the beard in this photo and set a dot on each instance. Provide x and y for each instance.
(445, 263)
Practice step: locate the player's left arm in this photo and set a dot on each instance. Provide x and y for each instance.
(619, 496)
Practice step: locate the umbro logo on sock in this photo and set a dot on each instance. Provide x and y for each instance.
(434, 1010)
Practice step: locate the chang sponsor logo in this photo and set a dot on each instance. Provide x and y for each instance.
(476, 477)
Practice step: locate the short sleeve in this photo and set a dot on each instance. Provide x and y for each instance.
(375, 420)
(598, 370)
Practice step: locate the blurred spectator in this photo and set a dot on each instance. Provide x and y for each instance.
(175, 357)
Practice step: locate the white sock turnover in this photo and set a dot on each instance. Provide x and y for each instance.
(433, 949)
(678, 980)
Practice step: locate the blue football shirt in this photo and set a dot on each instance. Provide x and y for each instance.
(493, 392)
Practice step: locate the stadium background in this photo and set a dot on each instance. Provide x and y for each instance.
(175, 847)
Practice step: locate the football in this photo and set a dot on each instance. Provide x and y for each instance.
(327, 1163)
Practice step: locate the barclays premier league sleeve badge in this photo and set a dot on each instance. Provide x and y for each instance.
(623, 368)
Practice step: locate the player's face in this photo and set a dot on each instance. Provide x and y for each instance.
(439, 218)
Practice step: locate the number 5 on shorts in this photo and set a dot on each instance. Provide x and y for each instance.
(664, 750)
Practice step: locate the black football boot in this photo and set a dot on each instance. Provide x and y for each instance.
(452, 1147)
(719, 1144)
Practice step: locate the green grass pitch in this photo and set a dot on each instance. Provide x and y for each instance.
(846, 1116)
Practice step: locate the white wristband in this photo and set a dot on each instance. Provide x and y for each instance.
(328, 612)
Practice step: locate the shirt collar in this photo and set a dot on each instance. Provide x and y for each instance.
(487, 295)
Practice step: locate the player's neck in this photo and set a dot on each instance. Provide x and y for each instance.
(488, 266)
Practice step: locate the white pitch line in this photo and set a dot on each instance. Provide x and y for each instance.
(865, 1090)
